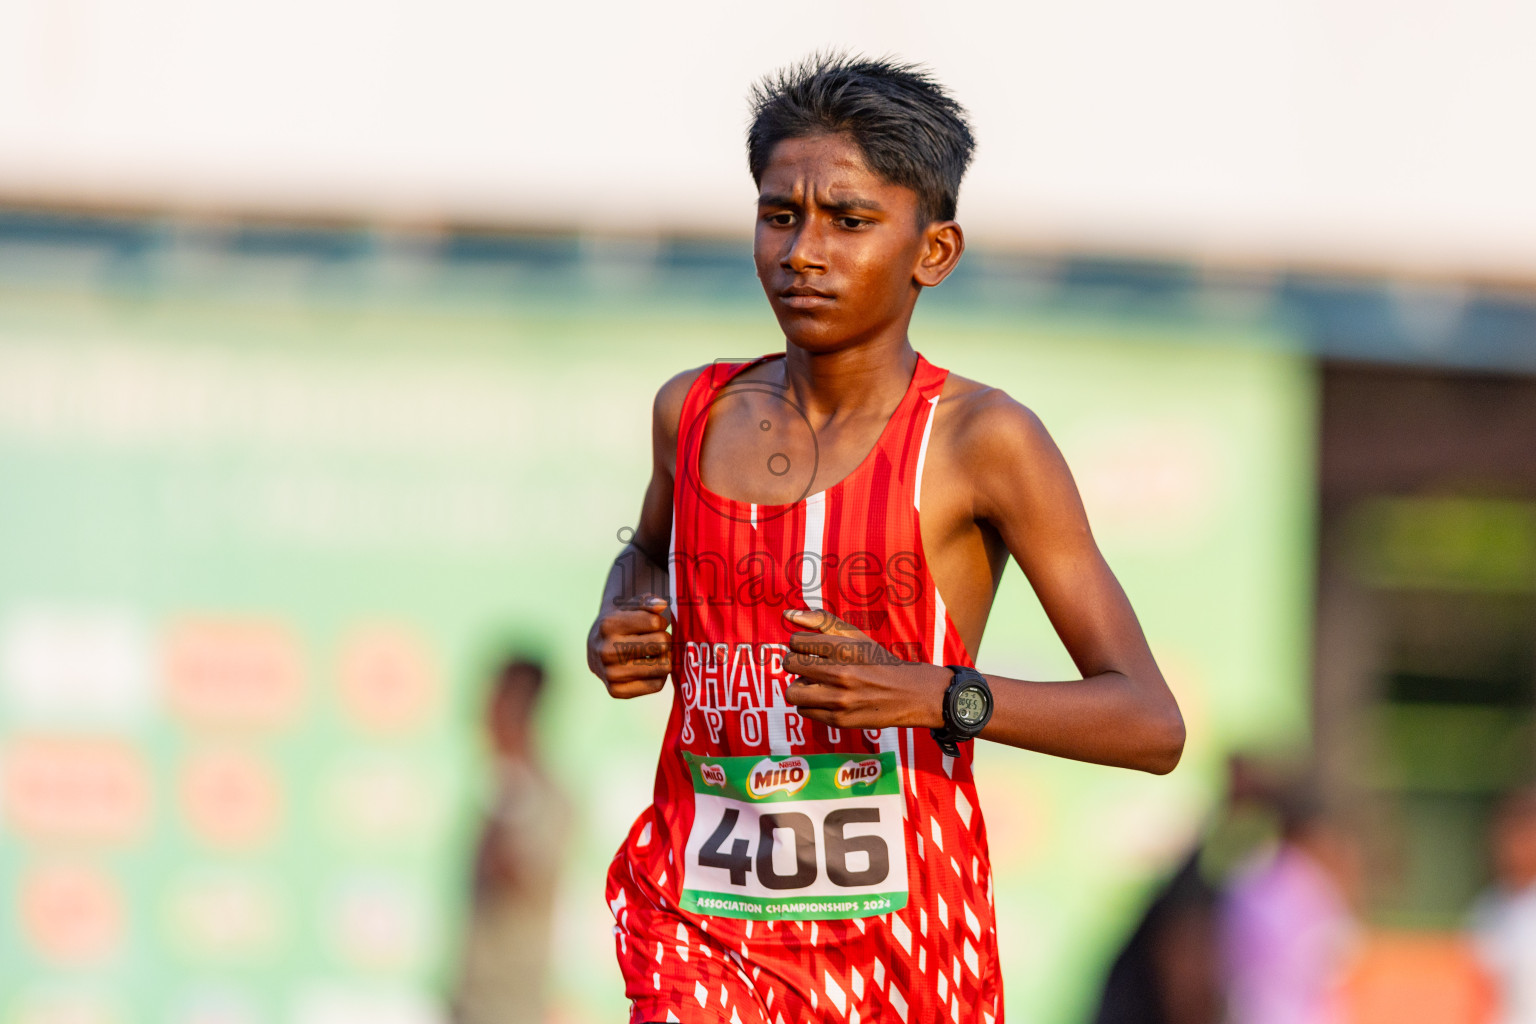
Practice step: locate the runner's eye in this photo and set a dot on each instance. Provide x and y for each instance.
(780, 220)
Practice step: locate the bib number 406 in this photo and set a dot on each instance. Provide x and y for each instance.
(838, 846)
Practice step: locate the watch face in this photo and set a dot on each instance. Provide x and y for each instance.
(971, 705)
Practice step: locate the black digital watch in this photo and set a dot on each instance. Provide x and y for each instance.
(967, 709)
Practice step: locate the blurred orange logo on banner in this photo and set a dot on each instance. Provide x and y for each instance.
(71, 913)
(231, 798)
(388, 682)
(232, 672)
(76, 788)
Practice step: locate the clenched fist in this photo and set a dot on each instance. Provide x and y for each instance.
(629, 647)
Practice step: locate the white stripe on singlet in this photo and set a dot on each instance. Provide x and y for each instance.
(922, 455)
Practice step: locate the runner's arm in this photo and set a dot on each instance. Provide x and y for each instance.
(628, 646)
(1121, 712)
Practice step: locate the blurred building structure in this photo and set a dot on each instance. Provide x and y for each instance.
(1426, 618)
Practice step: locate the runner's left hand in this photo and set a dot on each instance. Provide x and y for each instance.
(848, 681)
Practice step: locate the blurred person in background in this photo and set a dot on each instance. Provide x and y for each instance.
(505, 954)
(1168, 973)
(1504, 918)
(1287, 921)
(1169, 970)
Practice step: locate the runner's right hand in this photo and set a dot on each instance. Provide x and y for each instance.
(629, 647)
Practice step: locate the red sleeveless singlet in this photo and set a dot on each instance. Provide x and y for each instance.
(788, 871)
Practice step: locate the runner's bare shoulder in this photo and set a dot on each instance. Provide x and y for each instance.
(667, 412)
(995, 440)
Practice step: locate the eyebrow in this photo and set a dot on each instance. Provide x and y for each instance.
(836, 205)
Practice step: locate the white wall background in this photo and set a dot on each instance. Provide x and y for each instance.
(1391, 133)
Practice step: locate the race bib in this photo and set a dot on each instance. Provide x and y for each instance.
(810, 837)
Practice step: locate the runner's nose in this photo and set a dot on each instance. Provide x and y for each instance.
(805, 250)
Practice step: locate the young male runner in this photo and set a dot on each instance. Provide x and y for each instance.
(823, 534)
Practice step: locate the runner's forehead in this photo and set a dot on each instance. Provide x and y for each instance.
(835, 197)
(828, 170)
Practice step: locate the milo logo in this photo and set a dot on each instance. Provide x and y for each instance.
(712, 774)
(857, 773)
(789, 776)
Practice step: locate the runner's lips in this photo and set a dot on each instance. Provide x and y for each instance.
(802, 297)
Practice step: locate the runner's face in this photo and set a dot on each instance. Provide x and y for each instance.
(836, 244)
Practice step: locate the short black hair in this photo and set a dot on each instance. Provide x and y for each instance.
(911, 131)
